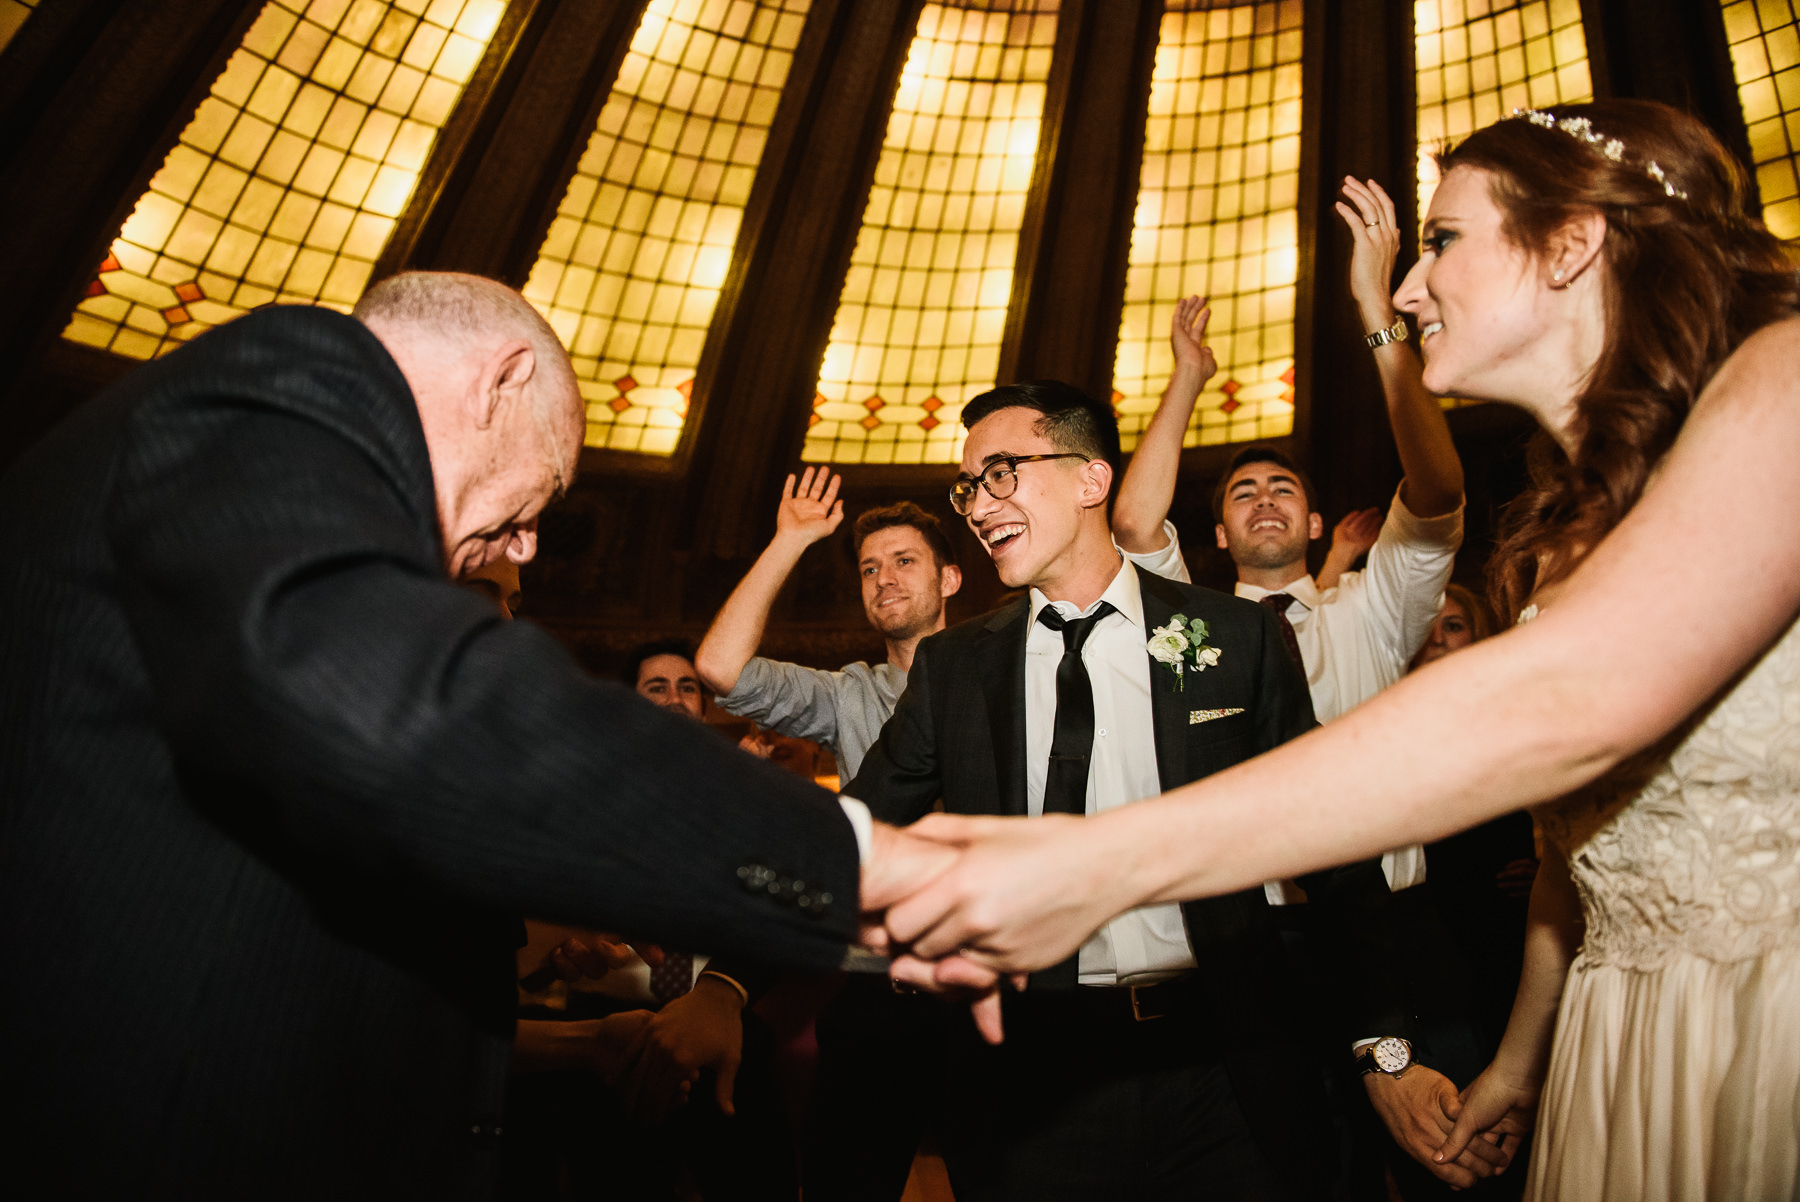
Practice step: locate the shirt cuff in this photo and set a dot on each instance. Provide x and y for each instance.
(743, 994)
(1446, 529)
(862, 822)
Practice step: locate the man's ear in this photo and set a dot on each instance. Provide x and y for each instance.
(503, 377)
(1096, 482)
(949, 580)
(1219, 533)
(1574, 248)
(1315, 526)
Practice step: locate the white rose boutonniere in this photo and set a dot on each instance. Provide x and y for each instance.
(1182, 645)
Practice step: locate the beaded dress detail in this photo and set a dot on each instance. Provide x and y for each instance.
(1676, 1068)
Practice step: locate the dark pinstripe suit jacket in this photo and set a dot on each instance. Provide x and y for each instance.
(273, 793)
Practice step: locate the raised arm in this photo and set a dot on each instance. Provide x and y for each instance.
(1528, 715)
(808, 513)
(1434, 476)
(1149, 484)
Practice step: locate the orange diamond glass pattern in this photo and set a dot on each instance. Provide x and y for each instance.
(290, 178)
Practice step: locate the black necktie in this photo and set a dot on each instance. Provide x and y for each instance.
(1072, 742)
(1071, 746)
(1279, 603)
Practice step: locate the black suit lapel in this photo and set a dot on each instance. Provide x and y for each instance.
(1000, 666)
(1168, 702)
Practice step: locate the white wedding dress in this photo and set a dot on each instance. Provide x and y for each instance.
(1675, 1073)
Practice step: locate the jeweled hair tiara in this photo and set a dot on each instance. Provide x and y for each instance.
(1582, 130)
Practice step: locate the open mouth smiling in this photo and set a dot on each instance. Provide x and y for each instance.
(1001, 535)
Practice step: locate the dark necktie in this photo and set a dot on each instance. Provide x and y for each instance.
(1072, 742)
(1279, 602)
(673, 977)
(1071, 746)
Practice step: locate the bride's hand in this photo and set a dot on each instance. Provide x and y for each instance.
(1023, 896)
(1498, 1107)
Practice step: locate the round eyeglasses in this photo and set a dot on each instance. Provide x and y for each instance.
(1000, 478)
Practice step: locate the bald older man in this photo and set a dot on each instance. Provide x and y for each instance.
(273, 792)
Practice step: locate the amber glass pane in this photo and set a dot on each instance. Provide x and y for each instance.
(12, 15)
(1765, 56)
(1478, 60)
(920, 319)
(1216, 216)
(289, 180)
(630, 271)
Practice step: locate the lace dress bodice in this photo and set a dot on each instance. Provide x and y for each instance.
(1694, 845)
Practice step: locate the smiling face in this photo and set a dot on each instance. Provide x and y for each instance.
(1044, 531)
(1488, 329)
(903, 589)
(1266, 524)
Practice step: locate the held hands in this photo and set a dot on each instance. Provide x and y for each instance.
(1419, 1108)
(812, 510)
(1498, 1108)
(700, 1030)
(971, 900)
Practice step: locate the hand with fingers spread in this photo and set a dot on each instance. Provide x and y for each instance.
(1194, 361)
(809, 510)
(1419, 1109)
(1351, 538)
(1375, 235)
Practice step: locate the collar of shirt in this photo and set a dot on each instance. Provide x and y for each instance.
(1302, 590)
(1123, 593)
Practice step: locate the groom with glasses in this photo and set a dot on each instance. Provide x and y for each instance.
(1161, 1060)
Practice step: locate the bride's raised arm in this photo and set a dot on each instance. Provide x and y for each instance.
(1690, 588)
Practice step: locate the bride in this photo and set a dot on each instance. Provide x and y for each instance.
(1594, 265)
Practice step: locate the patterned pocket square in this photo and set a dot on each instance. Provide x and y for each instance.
(1196, 717)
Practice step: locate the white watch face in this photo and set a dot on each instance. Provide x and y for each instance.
(1391, 1054)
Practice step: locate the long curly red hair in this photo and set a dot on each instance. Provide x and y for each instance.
(1688, 279)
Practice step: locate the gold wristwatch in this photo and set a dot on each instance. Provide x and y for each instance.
(1394, 333)
(1390, 1054)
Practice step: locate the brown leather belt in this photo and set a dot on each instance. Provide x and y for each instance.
(1132, 1003)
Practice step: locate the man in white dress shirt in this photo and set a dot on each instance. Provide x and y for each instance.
(1163, 1060)
(1353, 639)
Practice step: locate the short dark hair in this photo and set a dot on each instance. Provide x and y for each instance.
(905, 513)
(634, 661)
(1071, 419)
(1261, 454)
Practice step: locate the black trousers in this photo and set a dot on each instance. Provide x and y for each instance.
(877, 1090)
(1082, 1102)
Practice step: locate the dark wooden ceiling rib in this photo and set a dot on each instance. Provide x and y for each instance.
(763, 355)
(93, 94)
(553, 66)
(1069, 283)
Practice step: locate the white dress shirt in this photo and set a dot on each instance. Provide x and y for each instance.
(1150, 943)
(1357, 639)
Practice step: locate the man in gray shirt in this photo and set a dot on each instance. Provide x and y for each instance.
(875, 1088)
(907, 572)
